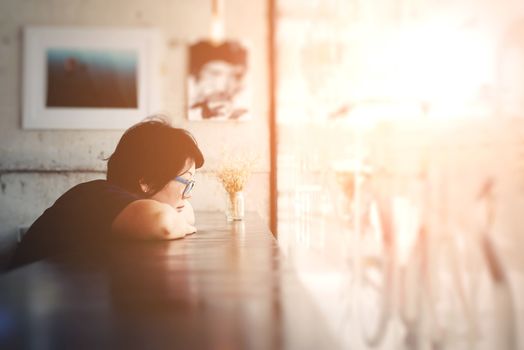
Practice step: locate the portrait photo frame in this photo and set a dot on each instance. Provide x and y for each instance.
(89, 77)
(219, 81)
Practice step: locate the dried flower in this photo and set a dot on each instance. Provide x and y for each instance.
(234, 173)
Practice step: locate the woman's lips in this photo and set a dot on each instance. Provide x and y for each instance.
(180, 208)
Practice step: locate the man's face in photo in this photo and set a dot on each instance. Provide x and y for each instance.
(219, 81)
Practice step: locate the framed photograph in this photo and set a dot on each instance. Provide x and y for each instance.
(217, 86)
(89, 78)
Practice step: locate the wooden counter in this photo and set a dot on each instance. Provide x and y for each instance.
(226, 287)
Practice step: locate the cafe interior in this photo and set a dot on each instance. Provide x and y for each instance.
(363, 183)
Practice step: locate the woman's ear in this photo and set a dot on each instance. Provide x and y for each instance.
(143, 186)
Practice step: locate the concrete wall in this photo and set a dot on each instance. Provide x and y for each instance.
(37, 166)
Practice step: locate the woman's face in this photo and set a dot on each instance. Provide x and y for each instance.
(172, 192)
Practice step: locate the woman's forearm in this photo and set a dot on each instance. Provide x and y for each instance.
(149, 219)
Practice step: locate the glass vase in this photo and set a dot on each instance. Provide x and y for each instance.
(235, 206)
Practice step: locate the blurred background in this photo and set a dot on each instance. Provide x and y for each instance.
(423, 99)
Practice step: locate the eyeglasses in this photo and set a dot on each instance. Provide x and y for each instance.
(189, 185)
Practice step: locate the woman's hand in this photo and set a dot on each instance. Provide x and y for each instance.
(178, 223)
(188, 212)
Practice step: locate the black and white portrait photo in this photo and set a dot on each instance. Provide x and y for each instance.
(217, 88)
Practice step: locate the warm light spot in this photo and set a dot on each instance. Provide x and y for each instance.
(217, 29)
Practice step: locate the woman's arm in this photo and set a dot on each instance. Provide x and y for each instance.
(150, 219)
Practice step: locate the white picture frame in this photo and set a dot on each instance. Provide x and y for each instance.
(53, 100)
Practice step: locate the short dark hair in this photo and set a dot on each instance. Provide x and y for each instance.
(205, 51)
(154, 152)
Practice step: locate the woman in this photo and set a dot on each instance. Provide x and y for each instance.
(149, 181)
